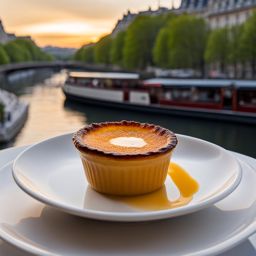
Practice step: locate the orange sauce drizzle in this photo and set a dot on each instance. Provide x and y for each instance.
(159, 200)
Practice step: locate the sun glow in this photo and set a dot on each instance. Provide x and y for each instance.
(67, 33)
(63, 27)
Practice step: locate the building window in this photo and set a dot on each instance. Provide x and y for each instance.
(216, 7)
(227, 4)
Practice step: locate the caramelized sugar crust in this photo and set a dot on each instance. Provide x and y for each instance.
(96, 138)
(100, 139)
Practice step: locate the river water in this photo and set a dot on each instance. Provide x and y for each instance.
(50, 115)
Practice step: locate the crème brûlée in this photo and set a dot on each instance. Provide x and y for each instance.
(125, 158)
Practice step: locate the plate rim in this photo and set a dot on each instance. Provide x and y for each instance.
(249, 230)
(131, 216)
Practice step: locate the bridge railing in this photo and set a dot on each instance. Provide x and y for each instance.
(59, 64)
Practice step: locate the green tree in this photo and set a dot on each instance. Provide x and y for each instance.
(217, 50)
(102, 50)
(20, 50)
(234, 47)
(139, 41)
(160, 50)
(88, 54)
(85, 54)
(187, 42)
(16, 52)
(30, 46)
(4, 58)
(79, 54)
(45, 57)
(116, 53)
(248, 42)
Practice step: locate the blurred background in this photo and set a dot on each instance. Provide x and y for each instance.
(201, 53)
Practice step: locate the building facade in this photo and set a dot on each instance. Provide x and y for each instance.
(5, 37)
(220, 13)
(127, 18)
(229, 12)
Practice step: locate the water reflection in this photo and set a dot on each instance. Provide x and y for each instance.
(51, 115)
(47, 117)
(232, 136)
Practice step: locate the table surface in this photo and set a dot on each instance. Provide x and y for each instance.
(246, 248)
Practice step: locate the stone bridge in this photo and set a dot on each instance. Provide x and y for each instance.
(9, 68)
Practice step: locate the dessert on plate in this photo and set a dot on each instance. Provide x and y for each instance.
(125, 158)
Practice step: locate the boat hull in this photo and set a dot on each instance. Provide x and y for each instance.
(7, 133)
(217, 115)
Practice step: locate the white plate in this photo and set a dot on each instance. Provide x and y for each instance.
(36, 228)
(51, 172)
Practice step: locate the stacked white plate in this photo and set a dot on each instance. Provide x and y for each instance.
(40, 217)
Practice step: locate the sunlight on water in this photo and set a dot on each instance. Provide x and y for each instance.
(46, 116)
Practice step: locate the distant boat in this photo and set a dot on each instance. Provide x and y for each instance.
(15, 115)
(206, 98)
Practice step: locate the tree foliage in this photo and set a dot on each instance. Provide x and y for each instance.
(116, 53)
(234, 46)
(88, 54)
(85, 54)
(248, 41)
(29, 45)
(217, 50)
(235, 50)
(21, 50)
(139, 41)
(4, 58)
(187, 42)
(16, 52)
(79, 54)
(102, 50)
(160, 50)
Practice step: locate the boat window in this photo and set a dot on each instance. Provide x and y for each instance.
(107, 83)
(247, 98)
(71, 80)
(193, 94)
(78, 81)
(84, 81)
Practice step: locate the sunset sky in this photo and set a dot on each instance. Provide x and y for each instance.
(68, 23)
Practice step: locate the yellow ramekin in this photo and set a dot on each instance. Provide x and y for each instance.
(129, 177)
(125, 175)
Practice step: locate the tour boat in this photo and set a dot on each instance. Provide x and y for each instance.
(15, 115)
(233, 100)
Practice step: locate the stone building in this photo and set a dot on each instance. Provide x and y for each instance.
(127, 18)
(220, 13)
(229, 12)
(194, 6)
(5, 37)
